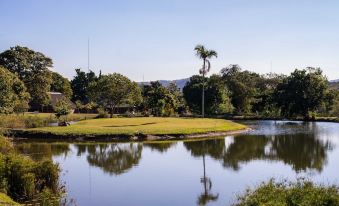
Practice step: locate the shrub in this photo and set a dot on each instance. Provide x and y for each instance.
(285, 193)
(24, 179)
(5, 146)
(102, 113)
(35, 121)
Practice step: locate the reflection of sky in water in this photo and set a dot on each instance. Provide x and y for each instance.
(170, 174)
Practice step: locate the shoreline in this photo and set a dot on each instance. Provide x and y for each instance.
(26, 135)
(325, 119)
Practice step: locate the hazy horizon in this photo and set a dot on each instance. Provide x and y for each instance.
(155, 40)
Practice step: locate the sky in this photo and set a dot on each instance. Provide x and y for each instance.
(155, 39)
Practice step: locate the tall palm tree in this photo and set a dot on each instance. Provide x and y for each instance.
(205, 55)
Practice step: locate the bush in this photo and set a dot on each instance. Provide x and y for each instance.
(35, 121)
(24, 179)
(285, 193)
(5, 146)
(102, 113)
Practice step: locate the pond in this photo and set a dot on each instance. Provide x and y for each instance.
(204, 172)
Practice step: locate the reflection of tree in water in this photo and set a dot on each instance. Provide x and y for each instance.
(212, 147)
(207, 195)
(40, 151)
(245, 149)
(114, 158)
(200, 149)
(301, 151)
(160, 147)
(83, 148)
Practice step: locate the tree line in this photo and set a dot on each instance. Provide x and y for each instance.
(26, 77)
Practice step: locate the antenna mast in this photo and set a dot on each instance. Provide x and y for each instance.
(88, 54)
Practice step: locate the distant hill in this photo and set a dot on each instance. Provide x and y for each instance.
(179, 82)
(334, 84)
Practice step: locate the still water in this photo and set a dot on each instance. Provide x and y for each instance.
(206, 172)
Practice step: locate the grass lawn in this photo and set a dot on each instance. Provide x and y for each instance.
(5, 200)
(143, 125)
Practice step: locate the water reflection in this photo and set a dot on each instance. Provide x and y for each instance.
(297, 145)
(207, 195)
(114, 158)
(160, 147)
(192, 172)
(39, 151)
(302, 151)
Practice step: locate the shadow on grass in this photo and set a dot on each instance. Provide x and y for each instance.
(133, 125)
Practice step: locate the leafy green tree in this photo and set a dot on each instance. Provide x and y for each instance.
(33, 69)
(218, 96)
(264, 103)
(13, 95)
(80, 85)
(205, 55)
(192, 93)
(178, 96)
(61, 84)
(302, 93)
(216, 99)
(159, 100)
(79, 105)
(62, 108)
(114, 89)
(242, 86)
(89, 106)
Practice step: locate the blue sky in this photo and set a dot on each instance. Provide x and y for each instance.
(155, 38)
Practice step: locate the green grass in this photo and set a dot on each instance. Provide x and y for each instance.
(143, 125)
(5, 200)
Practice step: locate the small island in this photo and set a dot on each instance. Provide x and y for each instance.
(137, 128)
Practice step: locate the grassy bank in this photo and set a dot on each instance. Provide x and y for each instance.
(31, 120)
(140, 126)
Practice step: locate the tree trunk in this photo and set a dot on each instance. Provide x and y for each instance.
(111, 113)
(203, 91)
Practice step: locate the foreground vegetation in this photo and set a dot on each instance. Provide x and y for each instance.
(5, 200)
(142, 125)
(25, 180)
(300, 193)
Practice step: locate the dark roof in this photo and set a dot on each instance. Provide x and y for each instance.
(56, 96)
